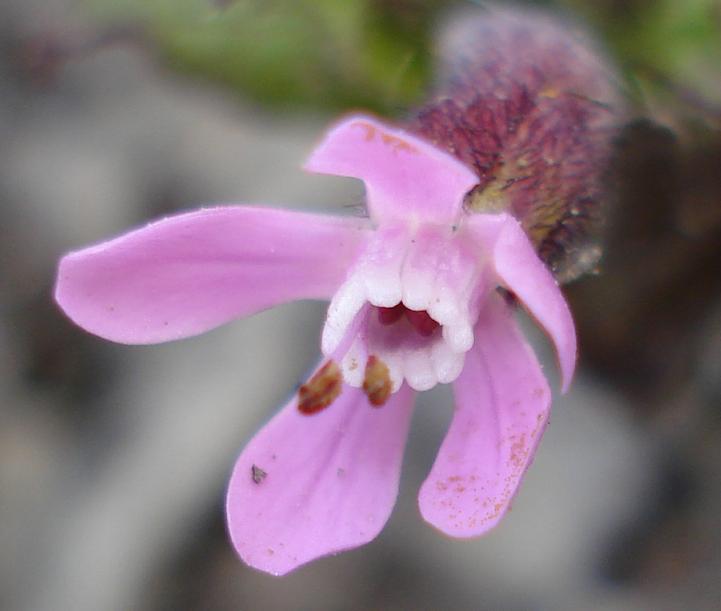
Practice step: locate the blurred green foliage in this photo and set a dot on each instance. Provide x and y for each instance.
(668, 35)
(320, 53)
(669, 49)
(377, 54)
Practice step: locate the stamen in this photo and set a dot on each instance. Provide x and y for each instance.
(387, 316)
(321, 390)
(377, 382)
(422, 322)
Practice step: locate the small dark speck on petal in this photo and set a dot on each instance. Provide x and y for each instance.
(257, 474)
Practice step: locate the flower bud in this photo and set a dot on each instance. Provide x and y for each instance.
(531, 105)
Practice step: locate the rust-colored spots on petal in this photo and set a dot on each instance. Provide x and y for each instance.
(395, 142)
(398, 144)
(369, 129)
(321, 390)
(377, 382)
(519, 452)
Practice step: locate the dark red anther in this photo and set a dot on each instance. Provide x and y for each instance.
(387, 316)
(422, 322)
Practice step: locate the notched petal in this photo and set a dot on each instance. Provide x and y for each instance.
(502, 407)
(518, 269)
(404, 175)
(330, 481)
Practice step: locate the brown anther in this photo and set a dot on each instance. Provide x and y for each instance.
(321, 390)
(377, 381)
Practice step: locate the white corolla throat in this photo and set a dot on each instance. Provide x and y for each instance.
(411, 302)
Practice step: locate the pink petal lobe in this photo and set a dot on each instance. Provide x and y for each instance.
(521, 271)
(189, 273)
(329, 481)
(404, 175)
(502, 407)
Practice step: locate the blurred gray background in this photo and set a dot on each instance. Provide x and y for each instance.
(114, 459)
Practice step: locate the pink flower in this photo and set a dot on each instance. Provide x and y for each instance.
(413, 302)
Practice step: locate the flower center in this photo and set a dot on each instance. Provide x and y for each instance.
(412, 345)
(409, 304)
(420, 320)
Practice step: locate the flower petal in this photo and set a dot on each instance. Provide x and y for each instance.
(189, 273)
(374, 278)
(502, 406)
(520, 270)
(329, 481)
(405, 176)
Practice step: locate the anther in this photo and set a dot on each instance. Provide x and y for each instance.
(377, 381)
(422, 322)
(387, 316)
(321, 390)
